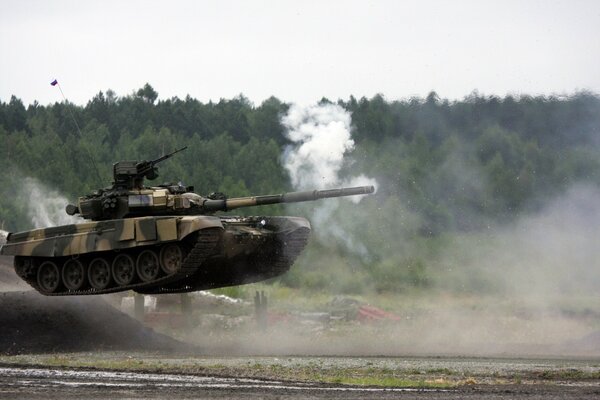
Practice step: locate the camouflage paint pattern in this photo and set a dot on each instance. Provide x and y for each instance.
(89, 237)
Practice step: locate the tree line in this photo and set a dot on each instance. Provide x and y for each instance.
(443, 166)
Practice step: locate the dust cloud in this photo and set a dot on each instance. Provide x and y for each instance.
(542, 257)
(528, 286)
(531, 286)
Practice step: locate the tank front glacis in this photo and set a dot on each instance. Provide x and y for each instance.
(161, 239)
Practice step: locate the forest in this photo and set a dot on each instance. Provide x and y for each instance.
(445, 169)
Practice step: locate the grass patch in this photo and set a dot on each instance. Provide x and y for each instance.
(569, 374)
(390, 381)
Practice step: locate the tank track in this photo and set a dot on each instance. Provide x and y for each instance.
(204, 246)
(271, 262)
(286, 255)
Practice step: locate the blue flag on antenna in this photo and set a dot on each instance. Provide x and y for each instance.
(54, 82)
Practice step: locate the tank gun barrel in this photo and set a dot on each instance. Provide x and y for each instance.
(291, 197)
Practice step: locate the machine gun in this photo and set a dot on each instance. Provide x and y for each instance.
(129, 175)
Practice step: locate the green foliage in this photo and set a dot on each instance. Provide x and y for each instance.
(443, 167)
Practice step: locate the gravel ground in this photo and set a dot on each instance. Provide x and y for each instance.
(38, 383)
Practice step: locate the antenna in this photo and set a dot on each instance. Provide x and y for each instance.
(55, 83)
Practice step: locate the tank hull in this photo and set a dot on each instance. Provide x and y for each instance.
(167, 254)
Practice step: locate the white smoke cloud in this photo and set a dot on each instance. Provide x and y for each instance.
(45, 207)
(321, 136)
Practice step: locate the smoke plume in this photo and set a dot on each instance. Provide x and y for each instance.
(45, 207)
(322, 141)
(322, 144)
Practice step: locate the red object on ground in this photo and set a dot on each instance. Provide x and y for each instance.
(370, 314)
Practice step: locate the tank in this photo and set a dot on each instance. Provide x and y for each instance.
(161, 239)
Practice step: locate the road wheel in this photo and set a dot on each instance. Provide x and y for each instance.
(171, 258)
(147, 265)
(123, 269)
(48, 277)
(73, 274)
(99, 273)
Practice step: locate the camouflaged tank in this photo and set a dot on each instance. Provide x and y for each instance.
(161, 239)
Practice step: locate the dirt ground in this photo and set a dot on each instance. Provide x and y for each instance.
(73, 347)
(32, 323)
(19, 381)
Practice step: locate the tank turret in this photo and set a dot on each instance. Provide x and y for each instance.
(127, 190)
(129, 198)
(129, 175)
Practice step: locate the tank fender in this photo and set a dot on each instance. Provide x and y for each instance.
(69, 240)
(286, 225)
(191, 224)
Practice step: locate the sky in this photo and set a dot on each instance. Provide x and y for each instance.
(298, 51)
